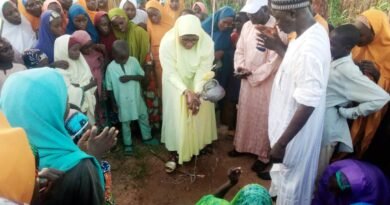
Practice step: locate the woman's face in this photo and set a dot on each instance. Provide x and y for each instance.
(103, 4)
(189, 41)
(104, 26)
(130, 10)
(74, 51)
(34, 7)
(66, 4)
(174, 5)
(6, 51)
(80, 22)
(56, 27)
(11, 13)
(54, 7)
(154, 15)
(225, 24)
(197, 9)
(119, 23)
(92, 5)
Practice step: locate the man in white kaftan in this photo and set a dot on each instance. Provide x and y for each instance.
(297, 105)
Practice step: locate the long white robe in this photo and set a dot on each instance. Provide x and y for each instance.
(301, 79)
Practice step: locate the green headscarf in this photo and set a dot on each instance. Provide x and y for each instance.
(136, 37)
(212, 200)
(252, 194)
(248, 195)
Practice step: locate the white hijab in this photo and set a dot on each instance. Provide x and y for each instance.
(20, 36)
(77, 73)
(140, 17)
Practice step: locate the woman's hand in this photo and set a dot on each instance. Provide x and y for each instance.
(193, 101)
(97, 145)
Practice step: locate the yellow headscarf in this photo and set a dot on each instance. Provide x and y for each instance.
(187, 61)
(136, 37)
(158, 31)
(172, 13)
(379, 49)
(17, 174)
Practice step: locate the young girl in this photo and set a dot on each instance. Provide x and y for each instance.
(79, 20)
(54, 5)
(107, 36)
(94, 55)
(122, 80)
(15, 27)
(50, 29)
(78, 77)
(159, 23)
(31, 10)
(135, 15)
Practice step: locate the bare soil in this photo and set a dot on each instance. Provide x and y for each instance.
(141, 179)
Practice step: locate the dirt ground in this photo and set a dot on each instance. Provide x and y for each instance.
(142, 180)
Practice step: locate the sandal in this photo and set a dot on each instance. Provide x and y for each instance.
(174, 158)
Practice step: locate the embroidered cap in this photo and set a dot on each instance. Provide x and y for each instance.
(289, 4)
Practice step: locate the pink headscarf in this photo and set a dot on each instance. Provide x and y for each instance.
(81, 36)
(94, 59)
(201, 5)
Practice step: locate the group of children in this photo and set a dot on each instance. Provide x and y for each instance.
(109, 59)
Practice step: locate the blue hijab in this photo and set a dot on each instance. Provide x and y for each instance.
(36, 100)
(46, 37)
(74, 11)
(221, 39)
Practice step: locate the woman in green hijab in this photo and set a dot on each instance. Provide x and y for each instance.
(135, 36)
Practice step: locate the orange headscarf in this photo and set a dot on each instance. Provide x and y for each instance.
(172, 13)
(364, 129)
(63, 15)
(17, 174)
(34, 21)
(157, 31)
(91, 14)
(378, 50)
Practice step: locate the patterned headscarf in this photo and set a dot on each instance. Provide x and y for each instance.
(252, 194)
(32, 57)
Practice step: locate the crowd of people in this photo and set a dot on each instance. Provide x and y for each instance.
(309, 101)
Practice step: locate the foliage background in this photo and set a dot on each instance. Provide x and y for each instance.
(337, 11)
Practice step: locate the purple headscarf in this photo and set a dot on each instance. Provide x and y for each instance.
(368, 184)
(46, 38)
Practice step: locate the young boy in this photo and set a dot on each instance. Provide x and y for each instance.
(123, 78)
(346, 84)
